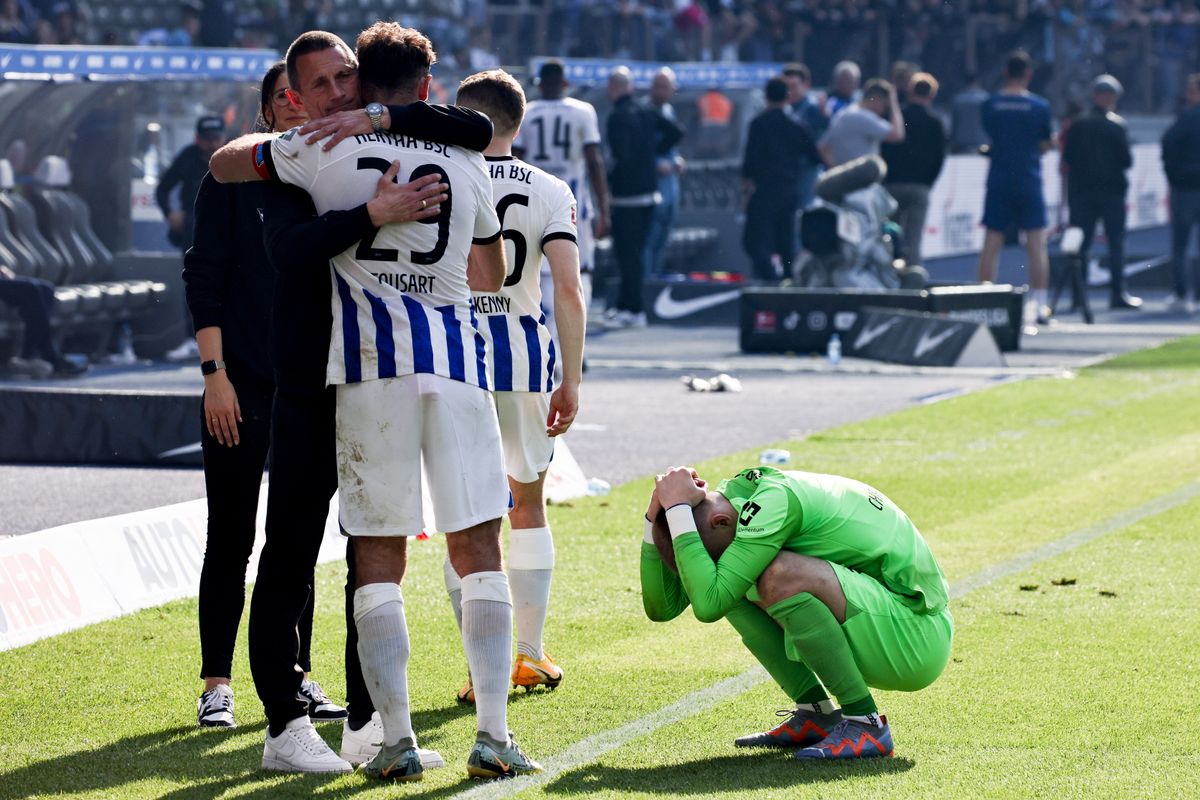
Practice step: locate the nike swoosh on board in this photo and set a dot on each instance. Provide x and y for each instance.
(871, 334)
(927, 342)
(667, 307)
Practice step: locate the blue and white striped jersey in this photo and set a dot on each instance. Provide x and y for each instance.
(400, 302)
(534, 207)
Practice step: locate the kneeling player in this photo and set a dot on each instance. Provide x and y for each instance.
(829, 584)
(537, 213)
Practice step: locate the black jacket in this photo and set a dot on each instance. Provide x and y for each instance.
(637, 135)
(1181, 151)
(777, 149)
(919, 158)
(1097, 153)
(186, 171)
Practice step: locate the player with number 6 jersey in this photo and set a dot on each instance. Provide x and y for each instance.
(537, 212)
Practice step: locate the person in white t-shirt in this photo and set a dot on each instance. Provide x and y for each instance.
(412, 385)
(537, 212)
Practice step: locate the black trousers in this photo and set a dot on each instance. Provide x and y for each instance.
(303, 480)
(232, 479)
(770, 230)
(33, 299)
(1088, 208)
(630, 232)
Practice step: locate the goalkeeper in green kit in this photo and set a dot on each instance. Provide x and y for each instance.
(829, 584)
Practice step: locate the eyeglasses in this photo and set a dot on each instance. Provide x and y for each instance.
(281, 99)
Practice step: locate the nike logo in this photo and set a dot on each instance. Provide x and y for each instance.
(667, 307)
(181, 451)
(869, 335)
(927, 342)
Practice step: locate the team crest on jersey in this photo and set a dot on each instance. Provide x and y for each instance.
(287, 137)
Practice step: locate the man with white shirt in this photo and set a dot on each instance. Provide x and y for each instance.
(410, 368)
(537, 212)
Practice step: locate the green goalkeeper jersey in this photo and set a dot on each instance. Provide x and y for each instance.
(824, 516)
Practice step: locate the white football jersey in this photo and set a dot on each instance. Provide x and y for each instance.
(534, 207)
(553, 136)
(400, 302)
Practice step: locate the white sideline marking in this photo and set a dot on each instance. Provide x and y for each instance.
(595, 746)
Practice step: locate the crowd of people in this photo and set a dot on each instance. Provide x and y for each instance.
(1151, 44)
(802, 132)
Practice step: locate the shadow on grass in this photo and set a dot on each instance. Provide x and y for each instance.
(760, 771)
(210, 762)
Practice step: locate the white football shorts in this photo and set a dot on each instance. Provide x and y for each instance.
(384, 427)
(527, 448)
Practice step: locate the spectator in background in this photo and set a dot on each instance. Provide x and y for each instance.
(915, 163)
(1097, 154)
(636, 135)
(16, 22)
(1181, 162)
(33, 300)
(187, 171)
(966, 122)
(716, 117)
(670, 166)
(809, 111)
(1018, 124)
(901, 77)
(778, 149)
(186, 35)
(844, 90)
(862, 127)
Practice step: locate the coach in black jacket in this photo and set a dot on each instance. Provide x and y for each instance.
(637, 135)
(1181, 162)
(915, 163)
(778, 150)
(1097, 154)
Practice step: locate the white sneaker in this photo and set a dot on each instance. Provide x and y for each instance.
(214, 709)
(638, 320)
(301, 749)
(360, 746)
(187, 351)
(33, 367)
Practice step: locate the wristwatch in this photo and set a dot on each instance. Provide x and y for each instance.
(375, 112)
(209, 367)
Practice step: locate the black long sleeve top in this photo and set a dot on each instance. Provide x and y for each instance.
(1181, 151)
(637, 135)
(1097, 153)
(919, 158)
(777, 149)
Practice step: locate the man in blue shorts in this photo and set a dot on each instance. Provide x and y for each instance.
(1018, 123)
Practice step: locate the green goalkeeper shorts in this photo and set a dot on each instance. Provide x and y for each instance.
(894, 647)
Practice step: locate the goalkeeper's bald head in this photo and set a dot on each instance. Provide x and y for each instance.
(715, 522)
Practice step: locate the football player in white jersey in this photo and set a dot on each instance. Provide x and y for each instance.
(561, 135)
(537, 213)
(412, 382)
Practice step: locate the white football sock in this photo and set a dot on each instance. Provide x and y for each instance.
(383, 649)
(453, 589)
(874, 718)
(530, 567)
(487, 638)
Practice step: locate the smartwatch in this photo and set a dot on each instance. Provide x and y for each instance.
(375, 113)
(209, 367)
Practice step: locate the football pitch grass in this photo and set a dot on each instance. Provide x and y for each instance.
(1070, 677)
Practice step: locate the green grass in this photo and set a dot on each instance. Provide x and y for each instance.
(1056, 692)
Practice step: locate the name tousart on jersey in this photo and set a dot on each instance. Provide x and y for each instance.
(400, 302)
(533, 208)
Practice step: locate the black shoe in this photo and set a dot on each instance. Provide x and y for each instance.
(66, 368)
(1124, 300)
